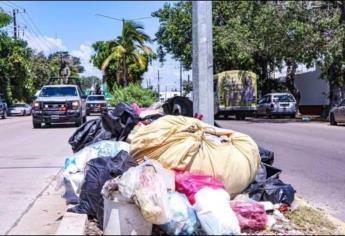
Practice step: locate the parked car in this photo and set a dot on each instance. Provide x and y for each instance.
(22, 109)
(277, 104)
(59, 104)
(337, 114)
(3, 108)
(95, 104)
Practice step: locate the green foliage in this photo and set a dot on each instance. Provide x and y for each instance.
(132, 93)
(187, 87)
(259, 35)
(126, 58)
(86, 82)
(23, 72)
(5, 19)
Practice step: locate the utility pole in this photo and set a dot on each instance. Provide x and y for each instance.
(158, 84)
(203, 97)
(15, 23)
(180, 78)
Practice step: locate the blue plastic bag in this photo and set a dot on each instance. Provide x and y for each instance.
(184, 220)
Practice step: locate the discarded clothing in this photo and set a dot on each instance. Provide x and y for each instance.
(214, 212)
(251, 215)
(180, 142)
(184, 220)
(189, 184)
(98, 171)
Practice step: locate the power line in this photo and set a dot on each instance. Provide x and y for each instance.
(33, 26)
(7, 4)
(36, 32)
(15, 5)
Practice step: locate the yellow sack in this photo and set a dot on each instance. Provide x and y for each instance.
(185, 143)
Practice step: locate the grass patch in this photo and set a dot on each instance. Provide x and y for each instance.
(311, 221)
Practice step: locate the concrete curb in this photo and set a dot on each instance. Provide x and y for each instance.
(72, 224)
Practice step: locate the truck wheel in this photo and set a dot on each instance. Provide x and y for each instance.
(36, 125)
(332, 120)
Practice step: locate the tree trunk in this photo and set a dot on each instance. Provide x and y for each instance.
(124, 65)
(290, 81)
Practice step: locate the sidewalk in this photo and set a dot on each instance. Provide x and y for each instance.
(44, 216)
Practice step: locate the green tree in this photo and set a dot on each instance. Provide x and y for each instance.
(126, 58)
(87, 82)
(252, 35)
(41, 70)
(187, 87)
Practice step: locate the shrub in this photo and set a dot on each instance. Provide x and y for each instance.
(132, 93)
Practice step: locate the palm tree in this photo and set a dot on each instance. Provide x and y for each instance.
(129, 48)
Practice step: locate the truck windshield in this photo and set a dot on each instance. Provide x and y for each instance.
(95, 98)
(58, 92)
(283, 98)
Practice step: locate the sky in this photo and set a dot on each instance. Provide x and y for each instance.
(73, 26)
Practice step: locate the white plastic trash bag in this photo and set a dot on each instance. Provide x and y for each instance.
(214, 212)
(184, 220)
(146, 187)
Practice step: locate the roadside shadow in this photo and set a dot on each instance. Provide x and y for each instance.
(58, 126)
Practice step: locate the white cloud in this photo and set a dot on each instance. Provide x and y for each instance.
(44, 43)
(84, 53)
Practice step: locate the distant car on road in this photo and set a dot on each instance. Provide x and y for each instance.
(22, 109)
(95, 104)
(3, 108)
(277, 104)
(59, 104)
(337, 114)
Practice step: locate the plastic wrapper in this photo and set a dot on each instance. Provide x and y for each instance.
(189, 184)
(147, 188)
(251, 215)
(184, 220)
(214, 212)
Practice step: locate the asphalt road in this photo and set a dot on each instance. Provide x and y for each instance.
(311, 155)
(29, 160)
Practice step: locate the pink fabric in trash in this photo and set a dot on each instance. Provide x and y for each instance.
(136, 108)
(189, 184)
(251, 215)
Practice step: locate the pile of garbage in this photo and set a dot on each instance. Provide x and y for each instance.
(136, 170)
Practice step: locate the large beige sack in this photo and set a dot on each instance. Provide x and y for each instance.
(183, 143)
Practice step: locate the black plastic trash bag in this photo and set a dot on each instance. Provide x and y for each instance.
(266, 156)
(90, 132)
(273, 190)
(266, 171)
(178, 105)
(120, 121)
(98, 171)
